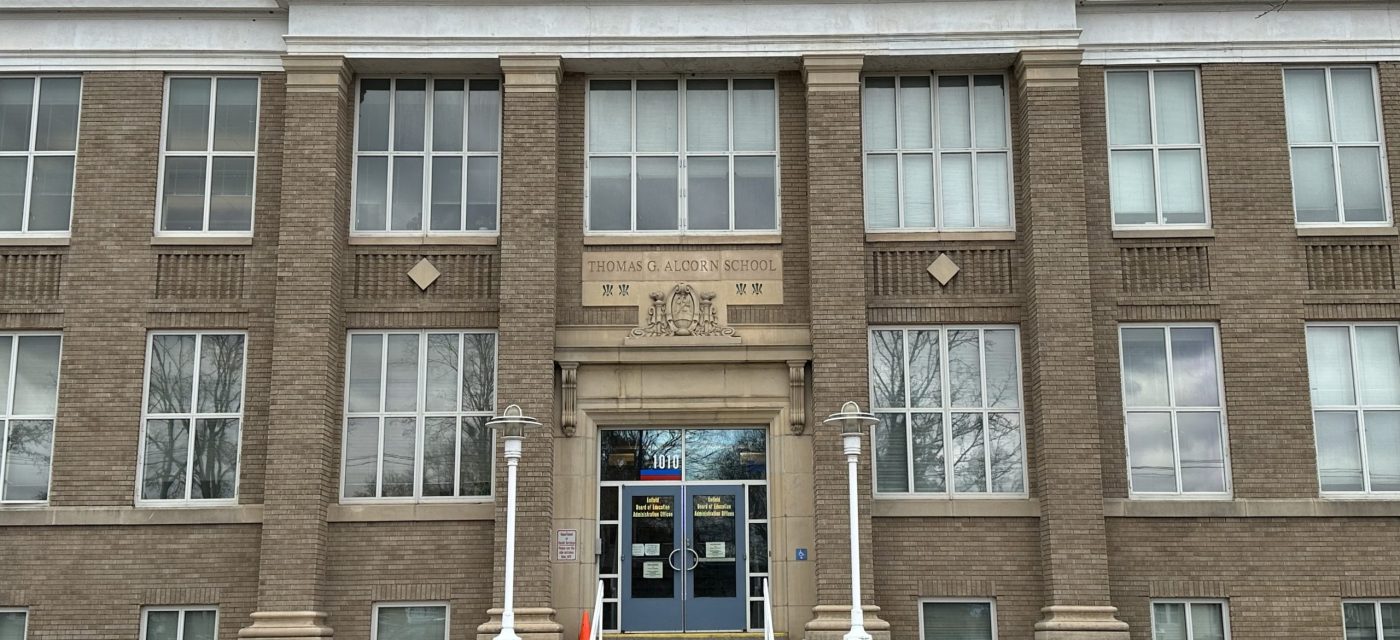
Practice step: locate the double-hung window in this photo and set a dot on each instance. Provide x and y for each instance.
(209, 155)
(957, 620)
(1156, 161)
(427, 156)
(410, 621)
(193, 417)
(180, 623)
(1371, 620)
(38, 150)
(690, 154)
(1334, 140)
(1190, 620)
(416, 406)
(1354, 373)
(949, 404)
(13, 623)
(1173, 410)
(28, 405)
(937, 152)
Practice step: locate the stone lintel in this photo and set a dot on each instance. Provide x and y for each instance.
(1048, 67)
(1071, 622)
(532, 73)
(287, 625)
(832, 72)
(531, 623)
(833, 621)
(316, 74)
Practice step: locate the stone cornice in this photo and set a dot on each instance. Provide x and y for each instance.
(532, 73)
(316, 74)
(1048, 67)
(832, 71)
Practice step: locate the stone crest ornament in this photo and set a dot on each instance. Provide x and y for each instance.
(943, 269)
(424, 274)
(682, 311)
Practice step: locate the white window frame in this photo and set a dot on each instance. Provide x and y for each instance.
(1172, 408)
(427, 154)
(681, 153)
(446, 613)
(1156, 148)
(1334, 145)
(8, 416)
(24, 610)
(31, 153)
(1189, 602)
(209, 155)
(193, 415)
(937, 151)
(1376, 606)
(420, 414)
(1358, 408)
(992, 602)
(947, 411)
(182, 609)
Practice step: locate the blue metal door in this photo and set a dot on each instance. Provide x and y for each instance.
(653, 561)
(716, 558)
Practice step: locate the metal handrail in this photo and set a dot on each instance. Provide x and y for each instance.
(596, 632)
(767, 613)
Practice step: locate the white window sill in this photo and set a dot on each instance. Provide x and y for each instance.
(424, 239)
(206, 240)
(973, 235)
(417, 511)
(918, 506)
(1162, 232)
(1315, 232)
(774, 237)
(33, 241)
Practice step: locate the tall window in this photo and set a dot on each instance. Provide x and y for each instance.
(430, 387)
(1371, 620)
(209, 155)
(1334, 139)
(193, 417)
(1173, 410)
(949, 403)
(692, 154)
(1189, 620)
(13, 624)
(1354, 372)
(1155, 158)
(28, 405)
(38, 149)
(410, 621)
(180, 623)
(957, 620)
(427, 155)
(937, 152)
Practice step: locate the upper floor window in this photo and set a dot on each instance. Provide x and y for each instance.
(38, 149)
(1156, 162)
(410, 621)
(949, 404)
(1173, 410)
(937, 152)
(427, 155)
(1371, 620)
(28, 405)
(957, 620)
(209, 155)
(416, 406)
(1189, 620)
(1334, 140)
(691, 154)
(1354, 372)
(13, 624)
(180, 623)
(192, 418)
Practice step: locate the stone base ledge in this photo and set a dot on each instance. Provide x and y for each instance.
(1068, 622)
(287, 625)
(531, 623)
(833, 621)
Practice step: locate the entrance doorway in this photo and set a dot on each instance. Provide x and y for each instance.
(683, 526)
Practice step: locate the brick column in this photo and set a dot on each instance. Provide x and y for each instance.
(525, 372)
(1059, 350)
(308, 345)
(839, 350)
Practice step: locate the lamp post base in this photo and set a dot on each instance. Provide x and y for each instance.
(1068, 622)
(833, 622)
(531, 623)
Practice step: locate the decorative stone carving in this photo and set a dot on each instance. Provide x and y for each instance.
(943, 269)
(682, 311)
(797, 396)
(568, 379)
(424, 274)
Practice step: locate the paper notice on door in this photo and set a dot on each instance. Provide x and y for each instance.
(653, 549)
(638, 550)
(714, 550)
(652, 570)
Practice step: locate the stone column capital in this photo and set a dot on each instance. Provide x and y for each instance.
(1048, 67)
(287, 624)
(316, 74)
(832, 71)
(532, 73)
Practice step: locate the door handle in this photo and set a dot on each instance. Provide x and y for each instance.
(671, 556)
(697, 558)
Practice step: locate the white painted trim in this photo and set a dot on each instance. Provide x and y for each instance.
(990, 601)
(182, 610)
(443, 604)
(7, 416)
(1186, 612)
(209, 154)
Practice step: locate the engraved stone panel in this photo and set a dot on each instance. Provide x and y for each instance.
(30, 276)
(1159, 269)
(462, 276)
(904, 273)
(199, 276)
(734, 276)
(1350, 267)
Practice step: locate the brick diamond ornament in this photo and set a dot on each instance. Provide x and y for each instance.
(943, 269)
(424, 274)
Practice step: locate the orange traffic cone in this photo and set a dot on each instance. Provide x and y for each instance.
(585, 629)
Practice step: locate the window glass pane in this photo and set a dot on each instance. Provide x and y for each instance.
(954, 116)
(657, 195)
(930, 476)
(755, 193)
(399, 445)
(1202, 452)
(1194, 377)
(1360, 620)
(1314, 185)
(221, 374)
(610, 194)
(401, 374)
(1355, 105)
(707, 115)
(1169, 621)
(915, 112)
(758, 503)
(439, 456)
(187, 118)
(1338, 451)
(484, 116)
(412, 623)
(1152, 459)
(366, 359)
(989, 98)
(441, 385)
(407, 214)
(215, 458)
(1002, 369)
(182, 208)
(57, 126)
(162, 625)
(878, 101)
(957, 620)
(371, 182)
(236, 114)
(410, 113)
(479, 372)
(925, 376)
(1129, 118)
(881, 192)
(13, 174)
(993, 190)
(918, 191)
(6, 347)
(16, 104)
(610, 115)
(27, 460)
(171, 374)
(361, 457)
(725, 454)
(707, 193)
(758, 549)
(12, 625)
(1183, 196)
(51, 200)
(1004, 430)
(1306, 102)
(200, 625)
(1133, 188)
(1177, 120)
(1383, 449)
(167, 452)
(657, 113)
(36, 373)
(1378, 357)
(374, 116)
(1144, 367)
(1329, 365)
(969, 463)
(1361, 184)
(1390, 619)
(445, 208)
(887, 368)
(754, 116)
(449, 114)
(964, 368)
(231, 195)
(957, 191)
(483, 178)
(1207, 622)
(476, 457)
(891, 454)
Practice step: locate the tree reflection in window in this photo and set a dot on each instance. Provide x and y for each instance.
(203, 465)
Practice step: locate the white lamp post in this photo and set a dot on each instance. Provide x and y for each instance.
(853, 422)
(512, 424)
